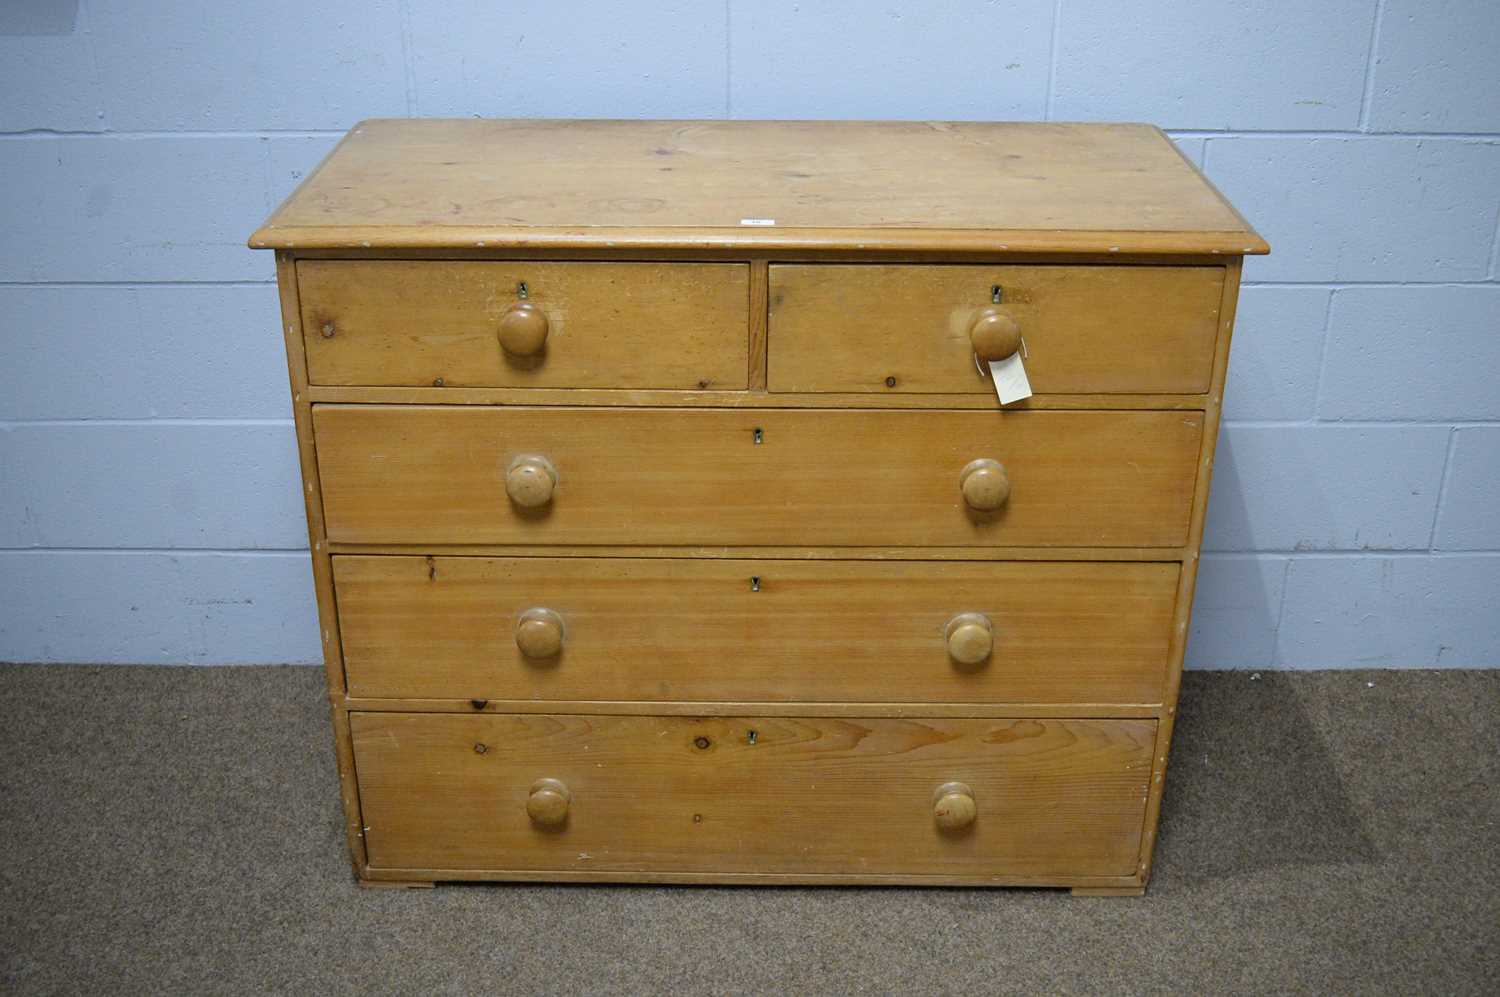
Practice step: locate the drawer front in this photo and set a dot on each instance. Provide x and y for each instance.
(581, 325)
(1050, 798)
(891, 329)
(439, 474)
(664, 629)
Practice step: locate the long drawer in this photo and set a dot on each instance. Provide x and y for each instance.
(663, 629)
(449, 474)
(579, 325)
(901, 328)
(968, 799)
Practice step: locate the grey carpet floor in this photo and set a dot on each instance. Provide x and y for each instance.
(177, 830)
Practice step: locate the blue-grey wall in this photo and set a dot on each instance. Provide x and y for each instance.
(149, 506)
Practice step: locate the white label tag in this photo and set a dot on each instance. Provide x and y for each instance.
(757, 221)
(1010, 380)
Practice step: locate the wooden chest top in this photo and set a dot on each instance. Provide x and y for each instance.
(759, 185)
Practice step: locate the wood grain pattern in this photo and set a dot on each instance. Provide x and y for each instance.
(975, 876)
(1054, 798)
(806, 254)
(610, 325)
(1080, 710)
(607, 185)
(596, 397)
(760, 281)
(894, 328)
(322, 565)
(803, 631)
(421, 474)
(777, 551)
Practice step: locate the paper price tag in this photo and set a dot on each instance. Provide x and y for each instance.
(1010, 380)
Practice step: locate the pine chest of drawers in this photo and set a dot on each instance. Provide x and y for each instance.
(665, 521)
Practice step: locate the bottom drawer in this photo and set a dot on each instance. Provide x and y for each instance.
(1051, 799)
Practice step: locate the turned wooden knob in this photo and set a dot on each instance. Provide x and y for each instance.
(523, 329)
(539, 633)
(985, 484)
(953, 806)
(548, 803)
(971, 638)
(994, 334)
(529, 481)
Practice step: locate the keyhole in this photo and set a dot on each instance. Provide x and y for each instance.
(755, 583)
(759, 435)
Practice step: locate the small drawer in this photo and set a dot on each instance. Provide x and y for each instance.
(578, 325)
(967, 800)
(665, 629)
(478, 474)
(1086, 329)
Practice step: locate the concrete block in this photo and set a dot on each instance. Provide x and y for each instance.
(277, 64)
(123, 209)
(1469, 518)
(1495, 253)
(172, 351)
(133, 607)
(46, 73)
(1419, 353)
(1242, 66)
(69, 352)
(1276, 353)
(1435, 67)
(1235, 612)
(536, 58)
(249, 609)
(90, 606)
(1363, 209)
(947, 60)
(1391, 612)
(1286, 488)
(214, 352)
(155, 485)
(17, 526)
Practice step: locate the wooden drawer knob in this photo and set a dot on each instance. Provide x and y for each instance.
(971, 638)
(953, 806)
(539, 633)
(523, 329)
(994, 334)
(529, 481)
(985, 484)
(548, 803)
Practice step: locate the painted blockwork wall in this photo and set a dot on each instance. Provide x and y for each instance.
(149, 507)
